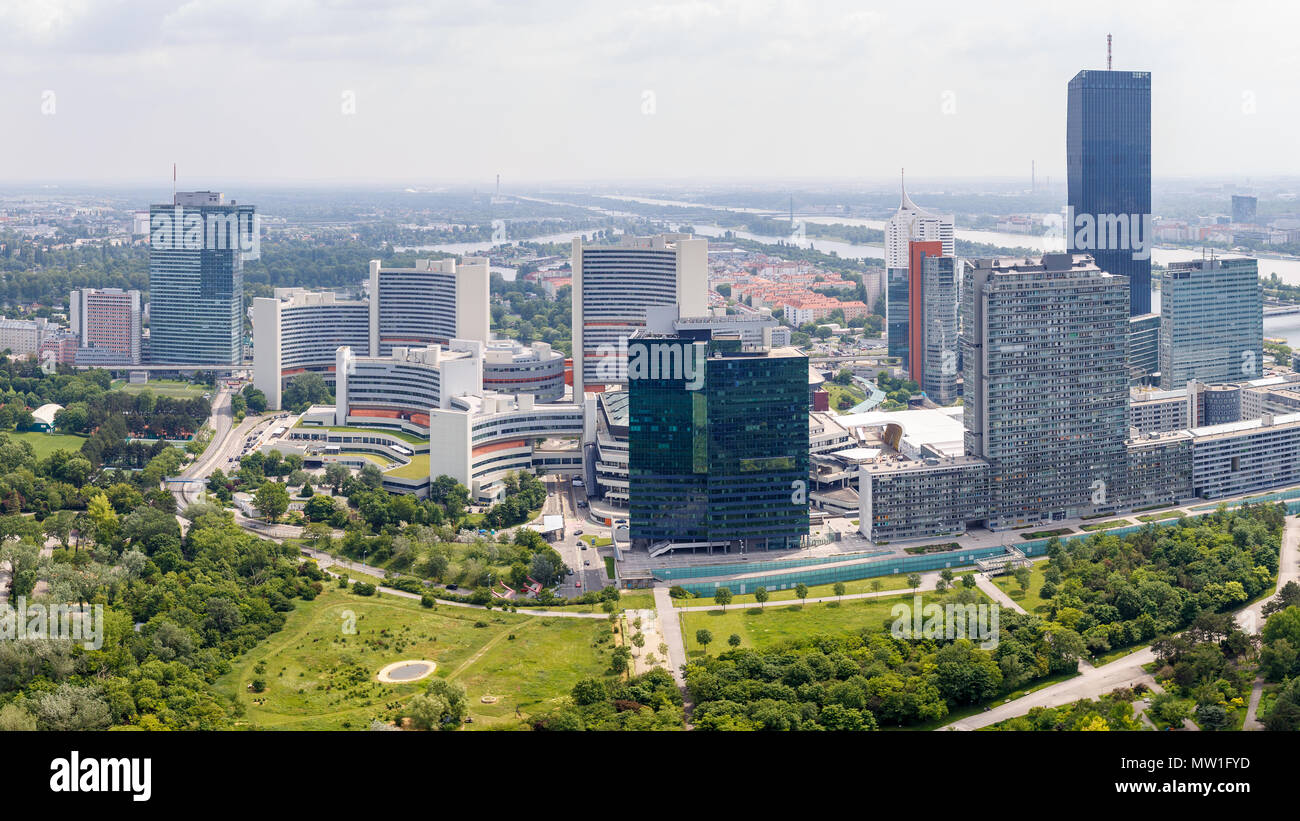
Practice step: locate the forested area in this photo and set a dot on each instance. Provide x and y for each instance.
(1106, 592)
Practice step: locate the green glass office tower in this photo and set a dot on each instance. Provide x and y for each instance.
(197, 248)
(717, 459)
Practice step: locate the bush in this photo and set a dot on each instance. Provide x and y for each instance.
(363, 589)
(425, 601)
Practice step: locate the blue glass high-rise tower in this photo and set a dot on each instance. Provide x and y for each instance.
(1108, 159)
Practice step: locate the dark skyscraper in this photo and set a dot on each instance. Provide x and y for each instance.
(1108, 158)
(717, 443)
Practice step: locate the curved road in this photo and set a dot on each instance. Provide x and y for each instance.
(1127, 671)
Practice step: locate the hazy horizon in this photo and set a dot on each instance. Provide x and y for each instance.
(577, 92)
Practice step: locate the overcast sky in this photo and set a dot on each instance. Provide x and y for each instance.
(561, 89)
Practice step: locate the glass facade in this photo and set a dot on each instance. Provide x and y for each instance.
(726, 464)
(896, 288)
(1108, 158)
(196, 295)
(1211, 321)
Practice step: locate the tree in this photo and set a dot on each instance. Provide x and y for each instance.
(1023, 575)
(663, 649)
(426, 711)
(761, 595)
(336, 473)
(722, 596)
(620, 658)
(638, 640)
(271, 500)
(305, 390)
(839, 588)
(734, 639)
(255, 398)
(320, 508)
(876, 585)
(913, 580)
(704, 638)
(801, 591)
(371, 476)
(968, 581)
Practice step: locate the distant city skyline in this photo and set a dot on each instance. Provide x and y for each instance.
(583, 91)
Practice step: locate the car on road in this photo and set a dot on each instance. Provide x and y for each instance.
(452, 586)
(583, 545)
(586, 564)
(577, 533)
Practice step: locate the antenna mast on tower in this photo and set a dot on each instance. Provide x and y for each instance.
(1108, 52)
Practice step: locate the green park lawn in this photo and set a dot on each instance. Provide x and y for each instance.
(163, 387)
(317, 678)
(895, 582)
(1030, 600)
(46, 443)
(764, 627)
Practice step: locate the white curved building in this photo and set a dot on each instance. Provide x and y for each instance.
(480, 439)
(401, 388)
(613, 285)
(297, 331)
(509, 367)
(436, 301)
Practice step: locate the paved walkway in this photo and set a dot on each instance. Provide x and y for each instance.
(997, 594)
(671, 626)
(1126, 671)
(1256, 692)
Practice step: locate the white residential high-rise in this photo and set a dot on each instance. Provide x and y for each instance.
(910, 223)
(613, 285)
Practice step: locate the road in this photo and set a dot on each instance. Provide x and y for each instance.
(227, 443)
(562, 499)
(1093, 682)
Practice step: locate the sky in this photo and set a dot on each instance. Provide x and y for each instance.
(435, 92)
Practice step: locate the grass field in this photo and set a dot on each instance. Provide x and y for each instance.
(1157, 517)
(46, 443)
(1030, 600)
(163, 387)
(853, 392)
(417, 468)
(763, 627)
(319, 678)
(370, 457)
(1093, 526)
(895, 582)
